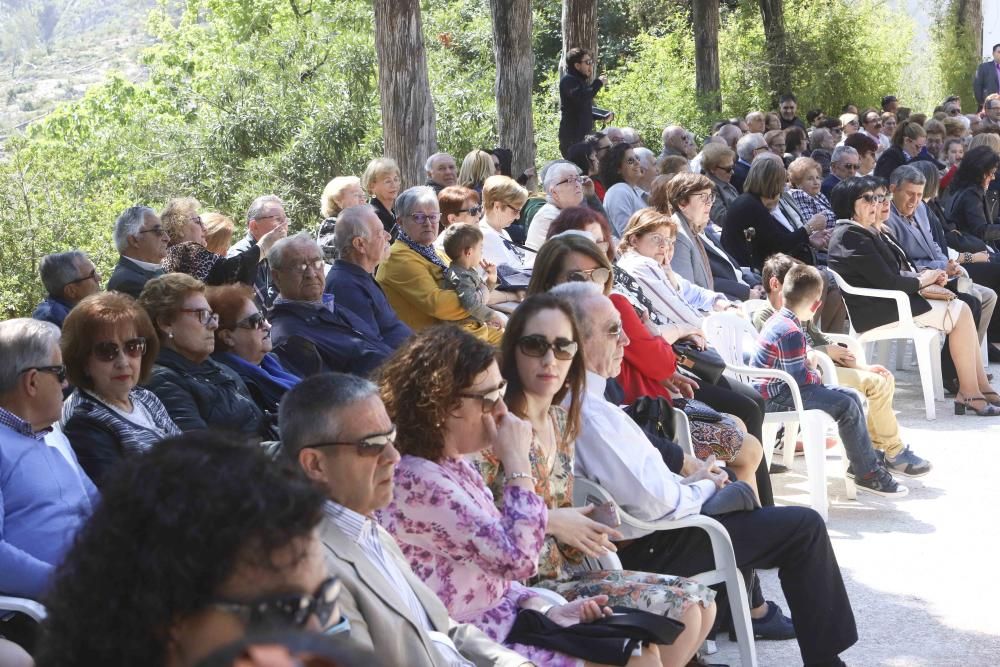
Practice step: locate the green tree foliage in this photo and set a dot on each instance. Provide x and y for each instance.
(956, 61)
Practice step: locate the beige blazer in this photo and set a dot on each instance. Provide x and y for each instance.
(380, 621)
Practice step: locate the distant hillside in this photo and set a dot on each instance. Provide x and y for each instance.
(52, 50)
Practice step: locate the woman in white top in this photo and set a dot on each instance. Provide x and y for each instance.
(503, 199)
(563, 187)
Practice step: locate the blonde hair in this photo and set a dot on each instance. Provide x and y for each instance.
(642, 222)
(176, 215)
(476, 168)
(218, 232)
(713, 154)
(332, 192)
(378, 168)
(505, 190)
(163, 297)
(800, 168)
(985, 139)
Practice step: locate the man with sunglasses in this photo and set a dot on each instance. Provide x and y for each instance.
(142, 244)
(44, 497)
(844, 164)
(346, 448)
(68, 278)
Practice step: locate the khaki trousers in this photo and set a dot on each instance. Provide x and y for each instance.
(882, 425)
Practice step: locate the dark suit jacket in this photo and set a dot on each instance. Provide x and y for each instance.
(345, 342)
(357, 290)
(865, 260)
(770, 236)
(828, 184)
(385, 216)
(967, 210)
(984, 83)
(130, 278)
(892, 157)
(576, 100)
(740, 171)
(723, 275)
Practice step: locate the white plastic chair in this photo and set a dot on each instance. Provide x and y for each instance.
(30, 608)
(926, 341)
(730, 335)
(725, 572)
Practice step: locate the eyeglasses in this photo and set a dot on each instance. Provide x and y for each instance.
(370, 445)
(108, 350)
(314, 264)
(850, 167)
(537, 345)
(490, 398)
(709, 196)
(197, 220)
(572, 179)
(287, 609)
(473, 211)
(586, 62)
(515, 209)
(728, 169)
(660, 240)
(255, 321)
(158, 230)
(631, 161)
(58, 371)
(422, 218)
(954, 112)
(599, 275)
(279, 216)
(203, 315)
(615, 331)
(93, 275)
(872, 198)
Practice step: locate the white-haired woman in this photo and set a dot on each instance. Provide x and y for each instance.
(563, 187)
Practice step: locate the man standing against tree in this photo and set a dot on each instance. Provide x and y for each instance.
(788, 106)
(576, 98)
(987, 78)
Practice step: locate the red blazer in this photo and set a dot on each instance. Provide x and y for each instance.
(648, 359)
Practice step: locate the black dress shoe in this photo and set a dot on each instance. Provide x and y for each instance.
(777, 469)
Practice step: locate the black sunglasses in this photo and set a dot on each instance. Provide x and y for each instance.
(93, 275)
(490, 398)
(58, 371)
(537, 345)
(370, 445)
(474, 211)
(255, 321)
(284, 610)
(108, 350)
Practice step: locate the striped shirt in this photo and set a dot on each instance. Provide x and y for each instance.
(782, 345)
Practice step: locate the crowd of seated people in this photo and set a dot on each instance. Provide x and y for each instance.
(397, 407)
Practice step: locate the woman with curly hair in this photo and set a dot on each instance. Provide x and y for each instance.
(620, 173)
(445, 393)
(184, 556)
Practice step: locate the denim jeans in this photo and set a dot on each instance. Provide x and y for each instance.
(845, 407)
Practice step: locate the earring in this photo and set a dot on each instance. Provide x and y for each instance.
(170, 334)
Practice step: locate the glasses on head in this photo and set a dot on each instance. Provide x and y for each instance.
(289, 609)
(572, 179)
(537, 345)
(873, 198)
(370, 445)
(109, 350)
(423, 218)
(304, 267)
(93, 275)
(599, 275)
(59, 371)
(254, 321)
(203, 315)
(474, 211)
(660, 240)
(490, 398)
(158, 230)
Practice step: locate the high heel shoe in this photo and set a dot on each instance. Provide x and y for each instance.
(988, 410)
(992, 397)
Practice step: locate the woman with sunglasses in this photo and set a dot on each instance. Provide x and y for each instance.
(243, 343)
(109, 346)
(620, 174)
(545, 370)
(503, 200)
(863, 258)
(717, 163)
(198, 392)
(444, 391)
(209, 540)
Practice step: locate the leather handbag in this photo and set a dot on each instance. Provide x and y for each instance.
(697, 410)
(706, 364)
(936, 293)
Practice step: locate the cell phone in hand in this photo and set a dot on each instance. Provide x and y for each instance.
(606, 513)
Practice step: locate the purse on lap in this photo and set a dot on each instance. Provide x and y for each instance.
(706, 364)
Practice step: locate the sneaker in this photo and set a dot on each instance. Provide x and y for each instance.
(774, 625)
(909, 464)
(881, 483)
(879, 460)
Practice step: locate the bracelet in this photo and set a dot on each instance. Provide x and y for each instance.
(544, 611)
(966, 257)
(521, 475)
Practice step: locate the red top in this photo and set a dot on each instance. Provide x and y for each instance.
(598, 189)
(648, 359)
(946, 179)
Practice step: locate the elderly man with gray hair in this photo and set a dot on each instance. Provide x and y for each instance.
(441, 171)
(265, 214)
(68, 278)
(678, 141)
(303, 315)
(44, 496)
(142, 245)
(844, 163)
(563, 185)
(747, 148)
(361, 244)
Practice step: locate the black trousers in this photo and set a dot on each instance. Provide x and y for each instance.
(744, 402)
(792, 539)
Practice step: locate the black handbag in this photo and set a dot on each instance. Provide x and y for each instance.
(609, 640)
(697, 410)
(706, 364)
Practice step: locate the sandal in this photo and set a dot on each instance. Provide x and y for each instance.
(995, 400)
(988, 410)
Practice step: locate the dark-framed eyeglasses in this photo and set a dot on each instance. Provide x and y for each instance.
(728, 169)
(203, 315)
(196, 219)
(158, 230)
(59, 371)
(424, 218)
(109, 350)
(576, 180)
(872, 198)
(370, 445)
(709, 196)
(289, 609)
(255, 321)
(536, 345)
(599, 275)
(474, 211)
(490, 398)
(93, 275)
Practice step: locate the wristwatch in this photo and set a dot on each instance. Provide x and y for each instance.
(966, 257)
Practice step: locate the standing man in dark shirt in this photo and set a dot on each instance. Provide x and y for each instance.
(576, 98)
(987, 78)
(267, 212)
(787, 108)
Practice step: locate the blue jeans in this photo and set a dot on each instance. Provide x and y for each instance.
(844, 406)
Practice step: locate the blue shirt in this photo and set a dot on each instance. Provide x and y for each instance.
(356, 289)
(43, 502)
(52, 310)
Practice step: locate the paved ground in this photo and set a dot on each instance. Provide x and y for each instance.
(921, 571)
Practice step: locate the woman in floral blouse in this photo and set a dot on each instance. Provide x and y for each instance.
(445, 393)
(544, 367)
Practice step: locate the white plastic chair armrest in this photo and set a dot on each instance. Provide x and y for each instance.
(853, 345)
(749, 371)
(682, 432)
(827, 369)
(550, 597)
(901, 298)
(30, 608)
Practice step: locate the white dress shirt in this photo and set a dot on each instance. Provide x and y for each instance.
(613, 451)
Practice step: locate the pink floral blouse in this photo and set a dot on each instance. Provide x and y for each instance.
(465, 549)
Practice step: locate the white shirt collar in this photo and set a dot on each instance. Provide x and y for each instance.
(148, 266)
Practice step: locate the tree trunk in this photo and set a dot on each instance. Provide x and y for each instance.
(408, 128)
(579, 28)
(969, 14)
(778, 66)
(515, 67)
(705, 17)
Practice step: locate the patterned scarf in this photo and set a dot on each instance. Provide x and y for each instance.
(425, 251)
(629, 287)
